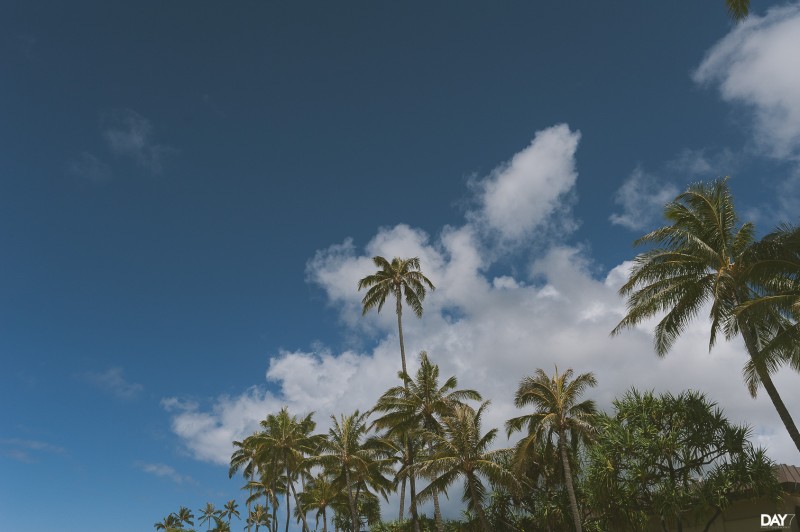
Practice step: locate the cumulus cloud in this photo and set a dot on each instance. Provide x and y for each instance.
(489, 328)
(522, 194)
(756, 65)
(129, 134)
(113, 382)
(642, 197)
(165, 471)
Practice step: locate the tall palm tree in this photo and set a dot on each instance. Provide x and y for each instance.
(421, 404)
(208, 514)
(269, 485)
(171, 522)
(705, 255)
(558, 413)
(403, 279)
(319, 494)
(230, 510)
(347, 454)
(185, 516)
(258, 517)
(460, 450)
(290, 443)
(244, 458)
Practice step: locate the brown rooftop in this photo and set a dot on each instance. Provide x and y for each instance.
(788, 476)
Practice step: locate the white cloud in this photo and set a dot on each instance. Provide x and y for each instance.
(756, 65)
(642, 198)
(165, 471)
(27, 451)
(521, 195)
(488, 329)
(113, 381)
(130, 134)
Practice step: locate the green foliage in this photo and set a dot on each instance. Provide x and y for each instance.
(673, 457)
(705, 256)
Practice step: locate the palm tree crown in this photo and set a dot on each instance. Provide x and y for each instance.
(557, 413)
(401, 278)
(706, 256)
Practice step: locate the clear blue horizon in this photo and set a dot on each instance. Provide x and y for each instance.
(189, 191)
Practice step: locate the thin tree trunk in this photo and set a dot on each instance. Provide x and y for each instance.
(412, 484)
(353, 513)
(299, 507)
(324, 521)
(288, 509)
(769, 386)
(412, 488)
(568, 481)
(437, 513)
(402, 496)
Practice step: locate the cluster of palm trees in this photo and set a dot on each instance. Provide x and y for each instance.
(221, 519)
(428, 435)
(422, 430)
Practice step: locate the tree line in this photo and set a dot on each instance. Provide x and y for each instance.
(667, 459)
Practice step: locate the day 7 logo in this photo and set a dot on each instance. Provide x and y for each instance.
(781, 521)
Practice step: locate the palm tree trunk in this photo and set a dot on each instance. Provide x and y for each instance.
(412, 487)
(769, 386)
(412, 484)
(402, 498)
(288, 509)
(324, 521)
(573, 502)
(299, 507)
(400, 332)
(353, 513)
(437, 513)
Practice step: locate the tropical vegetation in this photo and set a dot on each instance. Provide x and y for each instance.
(664, 461)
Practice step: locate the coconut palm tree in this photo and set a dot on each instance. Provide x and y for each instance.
(269, 485)
(231, 510)
(706, 256)
(258, 517)
(403, 279)
(460, 450)
(290, 443)
(244, 458)
(558, 413)
(775, 278)
(208, 514)
(352, 458)
(185, 516)
(319, 494)
(171, 522)
(420, 405)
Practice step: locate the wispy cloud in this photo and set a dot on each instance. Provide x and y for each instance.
(90, 167)
(27, 451)
(129, 134)
(641, 197)
(113, 381)
(165, 471)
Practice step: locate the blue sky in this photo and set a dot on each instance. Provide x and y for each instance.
(189, 192)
